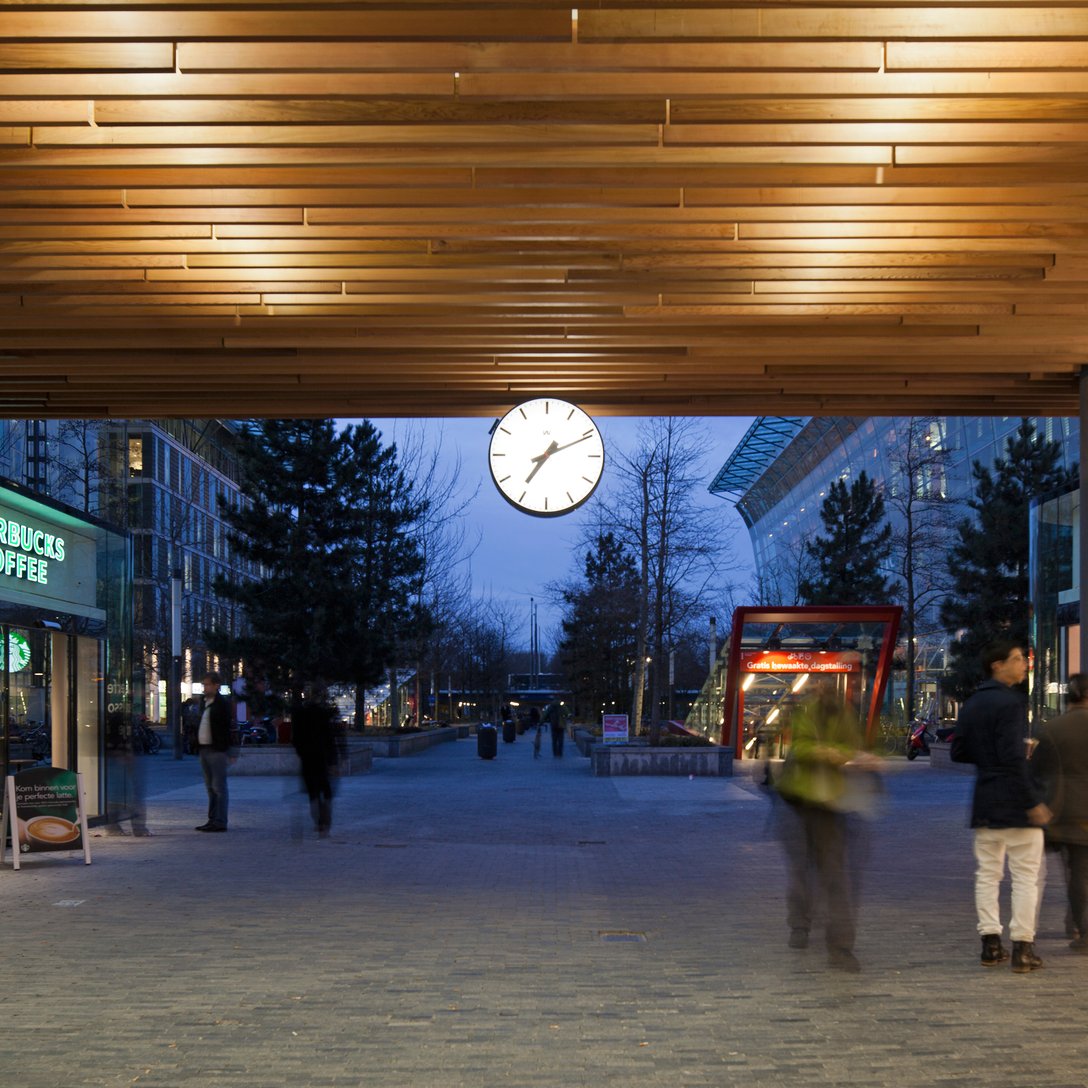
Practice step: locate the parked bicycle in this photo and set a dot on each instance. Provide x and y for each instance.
(145, 741)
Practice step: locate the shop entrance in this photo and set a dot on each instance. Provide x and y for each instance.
(52, 706)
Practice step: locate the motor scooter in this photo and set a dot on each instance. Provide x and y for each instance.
(922, 735)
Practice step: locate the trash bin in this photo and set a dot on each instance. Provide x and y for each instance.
(509, 733)
(487, 741)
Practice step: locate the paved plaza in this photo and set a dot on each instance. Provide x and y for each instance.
(516, 923)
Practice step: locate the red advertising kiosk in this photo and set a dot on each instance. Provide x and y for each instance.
(772, 652)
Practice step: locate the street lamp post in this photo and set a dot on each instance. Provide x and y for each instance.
(174, 696)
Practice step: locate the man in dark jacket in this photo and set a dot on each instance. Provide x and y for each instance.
(213, 741)
(1060, 764)
(313, 733)
(1007, 812)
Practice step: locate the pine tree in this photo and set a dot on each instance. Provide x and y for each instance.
(326, 528)
(377, 561)
(598, 644)
(856, 546)
(989, 562)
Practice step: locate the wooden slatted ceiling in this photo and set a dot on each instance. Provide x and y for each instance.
(439, 208)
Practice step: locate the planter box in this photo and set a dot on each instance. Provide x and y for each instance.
(410, 743)
(622, 759)
(940, 758)
(585, 741)
(280, 759)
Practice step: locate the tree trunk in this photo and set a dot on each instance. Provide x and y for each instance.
(643, 606)
(360, 707)
(394, 699)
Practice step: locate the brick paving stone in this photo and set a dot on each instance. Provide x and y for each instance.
(449, 934)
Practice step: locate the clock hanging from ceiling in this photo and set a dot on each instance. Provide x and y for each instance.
(546, 457)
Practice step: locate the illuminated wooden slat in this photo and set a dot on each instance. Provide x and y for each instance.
(901, 132)
(135, 157)
(436, 198)
(107, 56)
(561, 85)
(174, 85)
(983, 56)
(1051, 231)
(998, 153)
(915, 195)
(789, 21)
(324, 135)
(300, 22)
(373, 110)
(46, 112)
(992, 108)
(484, 56)
(485, 280)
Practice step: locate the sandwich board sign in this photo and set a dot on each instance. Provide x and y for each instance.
(44, 812)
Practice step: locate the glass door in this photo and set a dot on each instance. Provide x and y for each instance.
(28, 721)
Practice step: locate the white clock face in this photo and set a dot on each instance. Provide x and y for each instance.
(546, 456)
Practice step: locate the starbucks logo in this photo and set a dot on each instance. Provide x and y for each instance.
(18, 652)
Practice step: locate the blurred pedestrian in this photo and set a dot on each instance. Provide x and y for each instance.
(554, 717)
(314, 735)
(826, 781)
(1060, 766)
(1007, 809)
(216, 755)
(128, 758)
(536, 723)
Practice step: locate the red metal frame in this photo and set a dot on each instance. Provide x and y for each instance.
(889, 615)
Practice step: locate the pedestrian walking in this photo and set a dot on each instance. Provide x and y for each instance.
(819, 823)
(314, 735)
(1060, 766)
(216, 755)
(536, 723)
(554, 717)
(1007, 809)
(130, 769)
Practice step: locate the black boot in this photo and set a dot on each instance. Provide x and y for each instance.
(1024, 958)
(993, 951)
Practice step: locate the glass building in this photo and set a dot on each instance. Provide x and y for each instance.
(779, 474)
(161, 481)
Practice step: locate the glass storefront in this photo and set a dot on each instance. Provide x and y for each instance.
(65, 654)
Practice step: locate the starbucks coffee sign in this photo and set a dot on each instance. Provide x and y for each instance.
(47, 557)
(28, 550)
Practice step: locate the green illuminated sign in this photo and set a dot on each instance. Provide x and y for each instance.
(27, 550)
(18, 652)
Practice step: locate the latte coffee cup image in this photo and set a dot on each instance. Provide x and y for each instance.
(51, 830)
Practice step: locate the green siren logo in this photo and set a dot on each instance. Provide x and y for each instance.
(18, 652)
(27, 551)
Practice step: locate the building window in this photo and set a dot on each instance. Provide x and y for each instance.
(136, 456)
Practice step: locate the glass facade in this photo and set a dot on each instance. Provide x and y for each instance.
(161, 480)
(782, 507)
(1055, 595)
(782, 510)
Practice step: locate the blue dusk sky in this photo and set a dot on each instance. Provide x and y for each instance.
(516, 556)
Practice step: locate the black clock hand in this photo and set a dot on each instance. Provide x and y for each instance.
(539, 461)
(567, 445)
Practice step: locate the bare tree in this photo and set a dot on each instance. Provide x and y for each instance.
(778, 581)
(677, 544)
(918, 495)
(445, 545)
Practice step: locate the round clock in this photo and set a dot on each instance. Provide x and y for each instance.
(546, 456)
